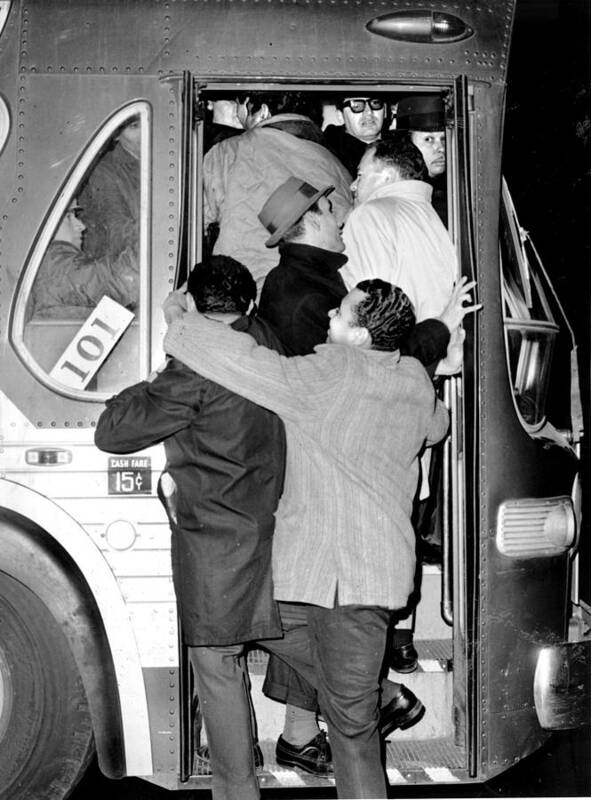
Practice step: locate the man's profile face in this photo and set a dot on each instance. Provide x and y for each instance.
(432, 146)
(343, 320)
(331, 230)
(71, 228)
(371, 174)
(366, 125)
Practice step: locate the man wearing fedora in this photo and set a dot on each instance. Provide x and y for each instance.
(423, 116)
(240, 173)
(300, 291)
(307, 283)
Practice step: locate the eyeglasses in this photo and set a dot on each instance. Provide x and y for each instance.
(357, 104)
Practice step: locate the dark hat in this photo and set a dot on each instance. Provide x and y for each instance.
(420, 112)
(287, 204)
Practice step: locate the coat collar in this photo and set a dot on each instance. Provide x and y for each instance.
(308, 258)
(411, 190)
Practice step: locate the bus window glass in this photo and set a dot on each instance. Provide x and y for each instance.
(4, 11)
(79, 302)
(4, 123)
(530, 330)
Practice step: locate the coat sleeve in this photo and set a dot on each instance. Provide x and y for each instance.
(439, 423)
(291, 387)
(427, 342)
(217, 163)
(118, 278)
(147, 413)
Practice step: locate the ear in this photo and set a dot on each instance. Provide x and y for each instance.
(312, 220)
(210, 105)
(340, 119)
(391, 174)
(360, 337)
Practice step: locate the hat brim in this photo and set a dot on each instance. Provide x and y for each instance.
(274, 239)
(421, 122)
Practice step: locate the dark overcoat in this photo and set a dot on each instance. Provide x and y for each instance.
(226, 458)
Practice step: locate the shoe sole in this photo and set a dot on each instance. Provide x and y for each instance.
(415, 715)
(287, 762)
(405, 670)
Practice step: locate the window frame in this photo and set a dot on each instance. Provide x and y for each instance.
(138, 108)
(524, 321)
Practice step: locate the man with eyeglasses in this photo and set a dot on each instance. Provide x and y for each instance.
(362, 120)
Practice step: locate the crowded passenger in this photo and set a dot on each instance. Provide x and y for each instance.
(394, 233)
(343, 553)
(69, 283)
(110, 198)
(240, 173)
(296, 298)
(361, 122)
(228, 116)
(423, 116)
(223, 478)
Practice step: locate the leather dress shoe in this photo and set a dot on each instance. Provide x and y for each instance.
(203, 765)
(404, 711)
(404, 658)
(314, 757)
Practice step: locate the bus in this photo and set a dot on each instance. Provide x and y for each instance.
(91, 657)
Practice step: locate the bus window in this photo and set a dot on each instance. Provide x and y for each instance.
(530, 329)
(78, 308)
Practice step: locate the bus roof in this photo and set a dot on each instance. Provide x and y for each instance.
(266, 40)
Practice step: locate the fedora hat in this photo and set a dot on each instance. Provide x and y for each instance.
(420, 112)
(287, 204)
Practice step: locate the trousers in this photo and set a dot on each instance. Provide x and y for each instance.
(340, 651)
(223, 687)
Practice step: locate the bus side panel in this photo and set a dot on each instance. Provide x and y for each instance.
(520, 603)
(301, 40)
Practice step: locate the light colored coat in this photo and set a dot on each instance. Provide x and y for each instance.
(396, 235)
(240, 174)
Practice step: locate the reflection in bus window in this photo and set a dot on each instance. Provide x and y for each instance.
(530, 330)
(92, 253)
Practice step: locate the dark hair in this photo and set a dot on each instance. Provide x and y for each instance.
(222, 285)
(287, 103)
(397, 150)
(296, 230)
(386, 312)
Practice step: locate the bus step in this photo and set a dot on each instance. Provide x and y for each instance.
(425, 761)
(435, 655)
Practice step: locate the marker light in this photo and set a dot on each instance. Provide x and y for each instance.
(48, 457)
(431, 27)
(534, 527)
